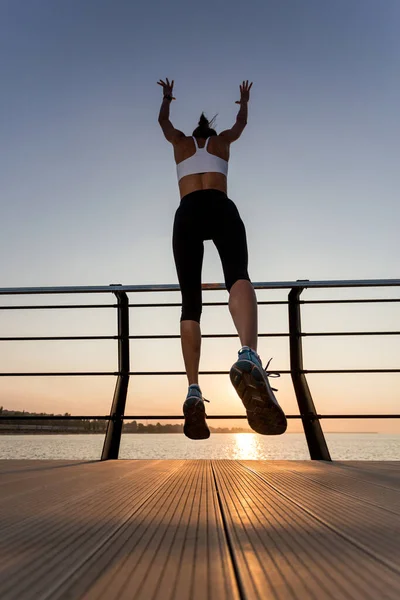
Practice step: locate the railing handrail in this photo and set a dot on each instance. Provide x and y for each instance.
(101, 289)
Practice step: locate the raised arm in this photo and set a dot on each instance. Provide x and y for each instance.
(233, 134)
(172, 135)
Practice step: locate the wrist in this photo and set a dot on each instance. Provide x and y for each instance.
(167, 97)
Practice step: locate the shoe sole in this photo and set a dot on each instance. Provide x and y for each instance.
(196, 427)
(263, 414)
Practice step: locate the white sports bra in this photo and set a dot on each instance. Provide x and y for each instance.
(201, 162)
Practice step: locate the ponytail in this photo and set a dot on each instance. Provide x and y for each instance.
(205, 127)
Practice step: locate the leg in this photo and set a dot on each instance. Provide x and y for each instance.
(188, 254)
(191, 345)
(243, 308)
(231, 243)
(247, 375)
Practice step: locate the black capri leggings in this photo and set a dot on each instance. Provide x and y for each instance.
(207, 215)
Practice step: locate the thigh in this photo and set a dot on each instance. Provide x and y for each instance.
(230, 240)
(188, 249)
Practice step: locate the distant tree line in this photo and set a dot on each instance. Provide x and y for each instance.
(66, 425)
(85, 425)
(134, 427)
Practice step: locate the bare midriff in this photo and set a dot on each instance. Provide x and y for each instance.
(202, 181)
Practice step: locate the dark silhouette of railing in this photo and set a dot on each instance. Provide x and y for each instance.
(307, 411)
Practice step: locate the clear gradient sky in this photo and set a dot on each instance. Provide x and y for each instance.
(88, 187)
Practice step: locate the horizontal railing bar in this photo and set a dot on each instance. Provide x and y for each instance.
(53, 417)
(282, 372)
(113, 373)
(234, 335)
(178, 304)
(159, 373)
(363, 300)
(203, 335)
(131, 337)
(108, 417)
(329, 371)
(58, 338)
(358, 417)
(352, 333)
(180, 417)
(177, 336)
(101, 289)
(368, 416)
(51, 306)
(63, 374)
(273, 302)
(355, 301)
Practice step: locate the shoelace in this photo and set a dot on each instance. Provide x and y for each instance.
(205, 399)
(271, 373)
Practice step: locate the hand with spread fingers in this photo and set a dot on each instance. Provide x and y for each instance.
(167, 88)
(244, 92)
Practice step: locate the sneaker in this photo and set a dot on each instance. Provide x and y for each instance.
(250, 380)
(195, 427)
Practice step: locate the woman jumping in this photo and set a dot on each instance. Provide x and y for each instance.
(206, 213)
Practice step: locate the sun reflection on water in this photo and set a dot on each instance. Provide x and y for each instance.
(246, 447)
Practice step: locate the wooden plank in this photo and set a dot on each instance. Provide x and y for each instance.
(12, 471)
(282, 551)
(335, 477)
(23, 465)
(42, 550)
(372, 464)
(205, 552)
(22, 497)
(173, 547)
(386, 474)
(375, 530)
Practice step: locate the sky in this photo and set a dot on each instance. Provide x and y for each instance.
(88, 186)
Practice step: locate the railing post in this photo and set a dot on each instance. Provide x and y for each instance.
(114, 428)
(312, 427)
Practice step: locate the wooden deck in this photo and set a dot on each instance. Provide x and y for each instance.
(201, 530)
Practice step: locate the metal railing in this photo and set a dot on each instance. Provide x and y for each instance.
(307, 412)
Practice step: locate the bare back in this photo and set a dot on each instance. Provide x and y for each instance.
(185, 148)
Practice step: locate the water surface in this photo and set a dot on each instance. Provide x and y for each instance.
(244, 446)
